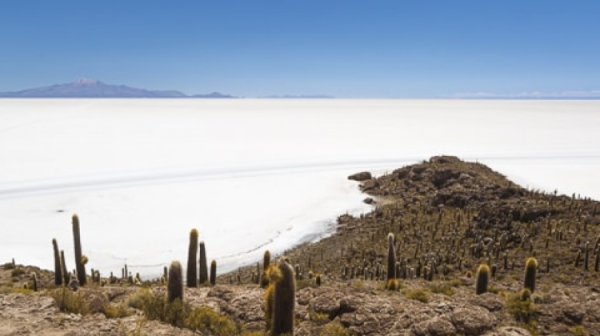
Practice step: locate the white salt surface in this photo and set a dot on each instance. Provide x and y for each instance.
(250, 175)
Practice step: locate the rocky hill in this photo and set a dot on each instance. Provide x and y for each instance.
(446, 218)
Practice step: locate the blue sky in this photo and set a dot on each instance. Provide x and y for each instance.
(344, 48)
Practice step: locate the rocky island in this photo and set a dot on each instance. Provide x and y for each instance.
(451, 248)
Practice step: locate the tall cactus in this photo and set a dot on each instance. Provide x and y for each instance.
(264, 280)
(175, 284)
(391, 262)
(531, 266)
(63, 263)
(282, 296)
(79, 265)
(58, 276)
(213, 273)
(192, 271)
(203, 264)
(483, 276)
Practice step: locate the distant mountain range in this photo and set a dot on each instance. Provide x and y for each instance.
(91, 88)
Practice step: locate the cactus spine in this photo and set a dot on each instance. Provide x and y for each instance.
(58, 276)
(175, 284)
(483, 276)
(79, 265)
(264, 280)
(213, 273)
(283, 296)
(192, 271)
(531, 266)
(203, 264)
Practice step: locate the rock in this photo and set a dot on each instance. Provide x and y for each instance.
(438, 326)
(473, 320)
(326, 302)
(369, 200)
(574, 312)
(369, 185)
(221, 292)
(444, 159)
(362, 176)
(489, 301)
(94, 299)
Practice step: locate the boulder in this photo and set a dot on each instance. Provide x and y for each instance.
(362, 176)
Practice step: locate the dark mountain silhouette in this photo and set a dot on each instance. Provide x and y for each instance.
(91, 88)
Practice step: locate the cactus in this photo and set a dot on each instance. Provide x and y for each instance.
(264, 280)
(203, 264)
(34, 280)
(586, 259)
(391, 266)
(281, 296)
(483, 276)
(192, 271)
(318, 280)
(63, 263)
(175, 284)
(531, 266)
(213, 273)
(79, 265)
(525, 294)
(58, 276)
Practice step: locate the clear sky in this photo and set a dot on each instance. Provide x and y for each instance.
(344, 48)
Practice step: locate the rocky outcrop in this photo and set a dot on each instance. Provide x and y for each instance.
(362, 176)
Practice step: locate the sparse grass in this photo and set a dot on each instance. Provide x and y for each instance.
(319, 318)
(69, 301)
(334, 329)
(418, 294)
(205, 321)
(301, 284)
(202, 320)
(116, 311)
(17, 272)
(578, 330)
(523, 310)
(442, 288)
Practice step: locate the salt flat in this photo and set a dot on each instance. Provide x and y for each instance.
(250, 174)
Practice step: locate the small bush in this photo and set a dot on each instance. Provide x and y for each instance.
(442, 288)
(334, 329)
(419, 294)
(17, 272)
(301, 284)
(69, 301)
(203, 320)
(116, 311)
(206, 321)
(578, 330)
(319, 318)
(9, 266)
(520, 307)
